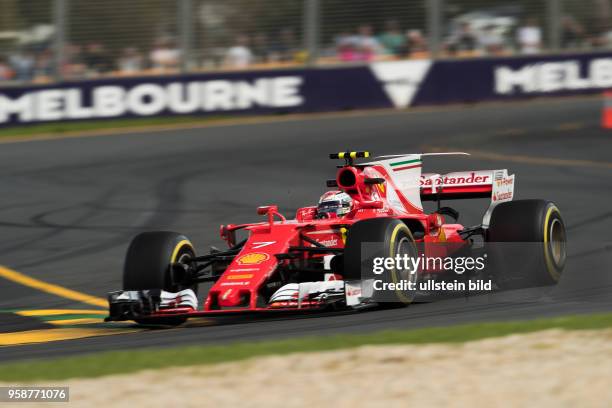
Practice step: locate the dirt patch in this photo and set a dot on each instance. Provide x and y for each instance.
(551, 368)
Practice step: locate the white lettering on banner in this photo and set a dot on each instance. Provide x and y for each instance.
(553, 76)
(22, 106)
(108, 101)
(601, 71)
(150, 99)
(284, 92)
(74, 105)
(218, 95)
(49, 104)
(147, 99)
(183, 99)
(251, 94)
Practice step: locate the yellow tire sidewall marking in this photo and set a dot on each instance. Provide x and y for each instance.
(550, 267)
(396, 230)
(178, 248)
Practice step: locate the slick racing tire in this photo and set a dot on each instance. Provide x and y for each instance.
(147, 266)
(526, 240)
(386, 238)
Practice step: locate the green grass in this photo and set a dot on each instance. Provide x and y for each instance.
(105, 363)
(94, 125)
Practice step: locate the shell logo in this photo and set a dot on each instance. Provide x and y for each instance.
(254, 258)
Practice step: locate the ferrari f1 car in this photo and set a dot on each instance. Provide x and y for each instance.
(321, 259)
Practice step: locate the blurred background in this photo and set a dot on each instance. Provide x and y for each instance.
(71, 205)
(42, 41)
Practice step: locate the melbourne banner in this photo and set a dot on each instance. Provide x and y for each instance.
(398, 84)
(253, 92)
(477, 80)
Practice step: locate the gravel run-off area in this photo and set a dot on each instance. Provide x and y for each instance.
(552, 368)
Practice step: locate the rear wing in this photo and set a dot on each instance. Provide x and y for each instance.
(409, 187)
(496, 184)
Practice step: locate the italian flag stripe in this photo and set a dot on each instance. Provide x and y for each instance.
(405, 162)
(406, 167)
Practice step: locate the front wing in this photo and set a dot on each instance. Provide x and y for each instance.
(152, 304)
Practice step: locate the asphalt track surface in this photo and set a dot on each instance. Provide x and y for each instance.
(69, 207)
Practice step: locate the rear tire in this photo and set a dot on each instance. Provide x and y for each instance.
(383, 237)
(537, 254)
(147, 266)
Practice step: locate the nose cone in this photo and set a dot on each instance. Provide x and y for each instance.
(233, 297)
(238, 286)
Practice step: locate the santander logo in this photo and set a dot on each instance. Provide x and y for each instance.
(457, 179)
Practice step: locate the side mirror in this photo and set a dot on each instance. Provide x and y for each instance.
(265, 209)
(374, 181)
(271, 211)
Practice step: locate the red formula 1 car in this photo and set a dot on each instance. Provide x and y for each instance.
(326, 257)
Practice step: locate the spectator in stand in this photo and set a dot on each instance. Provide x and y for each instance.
(44, 65)
(284, 49)
(392, 39)
(239, 55)
(367, 46)
(165, 55)
(260, 48)
(96, 59)
(491, 41)
(360, 47)
(464, 40)
(596, 33)
(131, 61)
(605, 39)
(346, 47)
(416, 44)
(6, 73)
(22, 63)
(74, 65)
(529, 37)
(572, 33)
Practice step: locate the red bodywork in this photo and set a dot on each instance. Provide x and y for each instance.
(237, 290)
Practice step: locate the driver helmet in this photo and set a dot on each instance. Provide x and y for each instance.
(336, 202)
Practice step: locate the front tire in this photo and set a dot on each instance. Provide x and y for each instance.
(147, 266)
(380, 238)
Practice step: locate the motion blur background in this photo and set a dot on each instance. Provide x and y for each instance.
(42, 41)
(71, 205)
